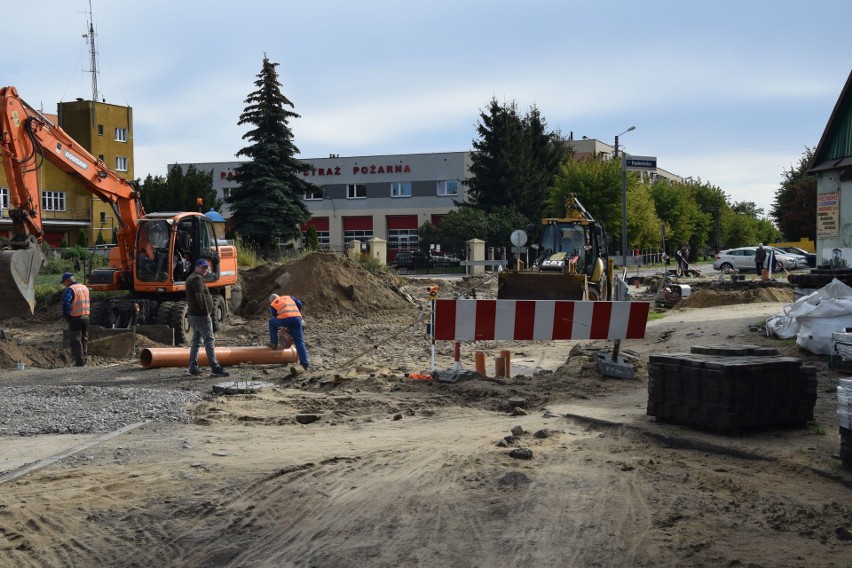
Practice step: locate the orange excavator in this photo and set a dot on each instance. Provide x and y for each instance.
(155, 252)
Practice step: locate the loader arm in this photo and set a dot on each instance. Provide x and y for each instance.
(27, 139)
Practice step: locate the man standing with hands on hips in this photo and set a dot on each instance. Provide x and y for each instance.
(75, 310)
(200, 304)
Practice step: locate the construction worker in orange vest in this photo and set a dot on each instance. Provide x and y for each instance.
(286, 313)
(75, 310)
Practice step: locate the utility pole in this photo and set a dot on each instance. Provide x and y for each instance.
(623, 200)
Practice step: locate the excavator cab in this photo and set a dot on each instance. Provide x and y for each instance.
(168, 244)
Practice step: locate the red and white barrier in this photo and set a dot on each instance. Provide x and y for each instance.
(545, 320)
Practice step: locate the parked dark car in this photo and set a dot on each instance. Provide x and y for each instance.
(418, 259)
(413, 260)
(445, 259)
(809, 256)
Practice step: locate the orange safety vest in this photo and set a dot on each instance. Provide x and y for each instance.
(285, 307)
(80, 303)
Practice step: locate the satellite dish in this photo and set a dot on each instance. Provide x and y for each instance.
(518, 238)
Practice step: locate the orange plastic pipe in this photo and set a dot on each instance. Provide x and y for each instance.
(179, 356)
(507, 356)
(479, 358)
(499, 367)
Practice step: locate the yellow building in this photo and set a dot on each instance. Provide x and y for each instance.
(106, 131)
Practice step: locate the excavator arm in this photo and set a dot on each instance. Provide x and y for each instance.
(27, 139)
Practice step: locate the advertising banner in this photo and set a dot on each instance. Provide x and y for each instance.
(828, 216)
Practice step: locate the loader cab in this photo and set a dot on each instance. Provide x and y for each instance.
(564, 247)
(168, 244)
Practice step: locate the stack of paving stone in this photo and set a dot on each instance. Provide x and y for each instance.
(731, 387)
(842, 347)
(844, 417)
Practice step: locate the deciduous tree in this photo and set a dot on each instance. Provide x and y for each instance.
(794, 208)
(180, 191)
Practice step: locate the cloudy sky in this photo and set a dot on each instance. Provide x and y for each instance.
(729, 91)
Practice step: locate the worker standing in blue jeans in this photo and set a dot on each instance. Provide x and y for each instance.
(286, 313)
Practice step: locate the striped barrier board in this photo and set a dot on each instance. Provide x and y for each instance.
(545, 320)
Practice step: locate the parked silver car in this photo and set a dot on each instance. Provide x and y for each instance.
(742, 259)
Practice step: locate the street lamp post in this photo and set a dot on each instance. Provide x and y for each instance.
(623, 200)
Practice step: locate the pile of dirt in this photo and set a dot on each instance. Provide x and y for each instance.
(14, 350)
(327, 285)
(707, 298)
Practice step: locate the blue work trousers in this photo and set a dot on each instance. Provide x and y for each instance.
(294, 328)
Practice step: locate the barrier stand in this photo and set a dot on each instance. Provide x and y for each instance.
(457, 356)
(433, 295)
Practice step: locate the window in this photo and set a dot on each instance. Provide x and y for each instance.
(226, 192)
(324, 238)
(121, 135)
(4, 197)
(121, 163)
(101, 158)
(314, 195)
(356, 191)
(402, 238)
(53, 200)
(100, 130)
(449, 187)
(401, 189)
(362, 236)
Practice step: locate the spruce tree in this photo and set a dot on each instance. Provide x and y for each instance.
(267, 204)
(515, 161)
(497, 162)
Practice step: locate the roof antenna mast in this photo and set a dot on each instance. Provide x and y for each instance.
(93, 54)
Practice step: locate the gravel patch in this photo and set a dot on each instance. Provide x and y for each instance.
(32, 410)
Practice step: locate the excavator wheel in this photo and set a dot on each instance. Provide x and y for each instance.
(164, 313)
(598, 292)
(179, 321)
(220, 313)
(99, 314)
(594, 293)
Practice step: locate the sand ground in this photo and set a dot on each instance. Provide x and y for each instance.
(395, 472)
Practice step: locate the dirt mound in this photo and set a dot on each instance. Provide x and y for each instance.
(16, 350)
(326, 284)
(707, 298)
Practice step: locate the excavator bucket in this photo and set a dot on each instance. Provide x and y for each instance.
(536, 285)
(18, 271)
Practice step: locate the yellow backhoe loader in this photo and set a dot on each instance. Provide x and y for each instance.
(572, 264)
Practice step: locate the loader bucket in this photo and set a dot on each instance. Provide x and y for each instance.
(18, 271)
(541, 286)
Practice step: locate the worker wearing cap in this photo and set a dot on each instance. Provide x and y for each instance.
(75, 310)
(286, 313)
(200, 306)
